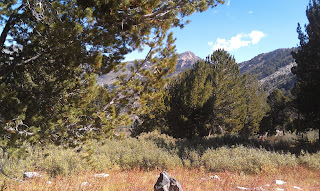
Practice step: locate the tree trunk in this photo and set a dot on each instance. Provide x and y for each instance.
(11, 21)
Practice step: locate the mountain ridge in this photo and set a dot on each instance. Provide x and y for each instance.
(273, 69)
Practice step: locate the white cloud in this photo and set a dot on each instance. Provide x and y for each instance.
(250, 12)
(256, 36)
(238, 41)
(228, 2)
(234, 43)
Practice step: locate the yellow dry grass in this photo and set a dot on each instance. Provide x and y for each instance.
(190, 179)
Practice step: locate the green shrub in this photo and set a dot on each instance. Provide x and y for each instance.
(131, 152)
(60, 161)
(161, 140)
(242, 159)
(52, 159)
(312, 161)
(312, 135)
(155, 150)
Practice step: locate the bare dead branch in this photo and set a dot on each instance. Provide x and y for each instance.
(118, 94)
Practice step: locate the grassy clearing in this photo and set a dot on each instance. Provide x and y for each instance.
(190, 179)
(237, 160)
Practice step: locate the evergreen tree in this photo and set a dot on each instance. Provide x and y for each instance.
(307, 71)
(187, 99)
(228, 104)
(278, 115)
(256, 105)
(206, 99)
(183, 110)
(212, 97)
(53, 51)
(152, 120)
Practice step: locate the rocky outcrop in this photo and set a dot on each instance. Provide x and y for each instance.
(167, 183)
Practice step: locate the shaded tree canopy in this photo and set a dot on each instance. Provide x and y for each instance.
(188, 100)
(278, 114)
(52, 52)
(307, 71)
(256, 105)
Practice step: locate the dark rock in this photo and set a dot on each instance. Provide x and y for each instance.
(167, 183)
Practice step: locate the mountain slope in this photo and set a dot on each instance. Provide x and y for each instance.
(273, 69)
(185, 61)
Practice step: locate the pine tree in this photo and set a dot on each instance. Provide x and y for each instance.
(307, 71)
(208, 98)
(228, 104)
(152, 120)
(53, 51)
(212, 97)
(278, 116)
(187, 98)
(256, 105)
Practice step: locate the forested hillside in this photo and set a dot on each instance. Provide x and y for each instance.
(273, 69)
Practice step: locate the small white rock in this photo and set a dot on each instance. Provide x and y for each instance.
(85, 184)
(280, 189)
(259, 188)
(298, 188)
(31, 175)
(203, 179)
(216, 177)
(267, 185)
(103, 175)
(242, 188)
(280, 182)
(49, 182)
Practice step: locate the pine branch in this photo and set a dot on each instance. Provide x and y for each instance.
(11, 21)
(165, 9)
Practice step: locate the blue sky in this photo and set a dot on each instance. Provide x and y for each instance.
(245, 28)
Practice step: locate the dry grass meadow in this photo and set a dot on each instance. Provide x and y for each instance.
(134, 164)
(191, 180)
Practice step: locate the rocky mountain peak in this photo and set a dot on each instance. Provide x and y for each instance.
(187, 56)
(186, 61)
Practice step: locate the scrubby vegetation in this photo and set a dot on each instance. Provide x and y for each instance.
(159, 151)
